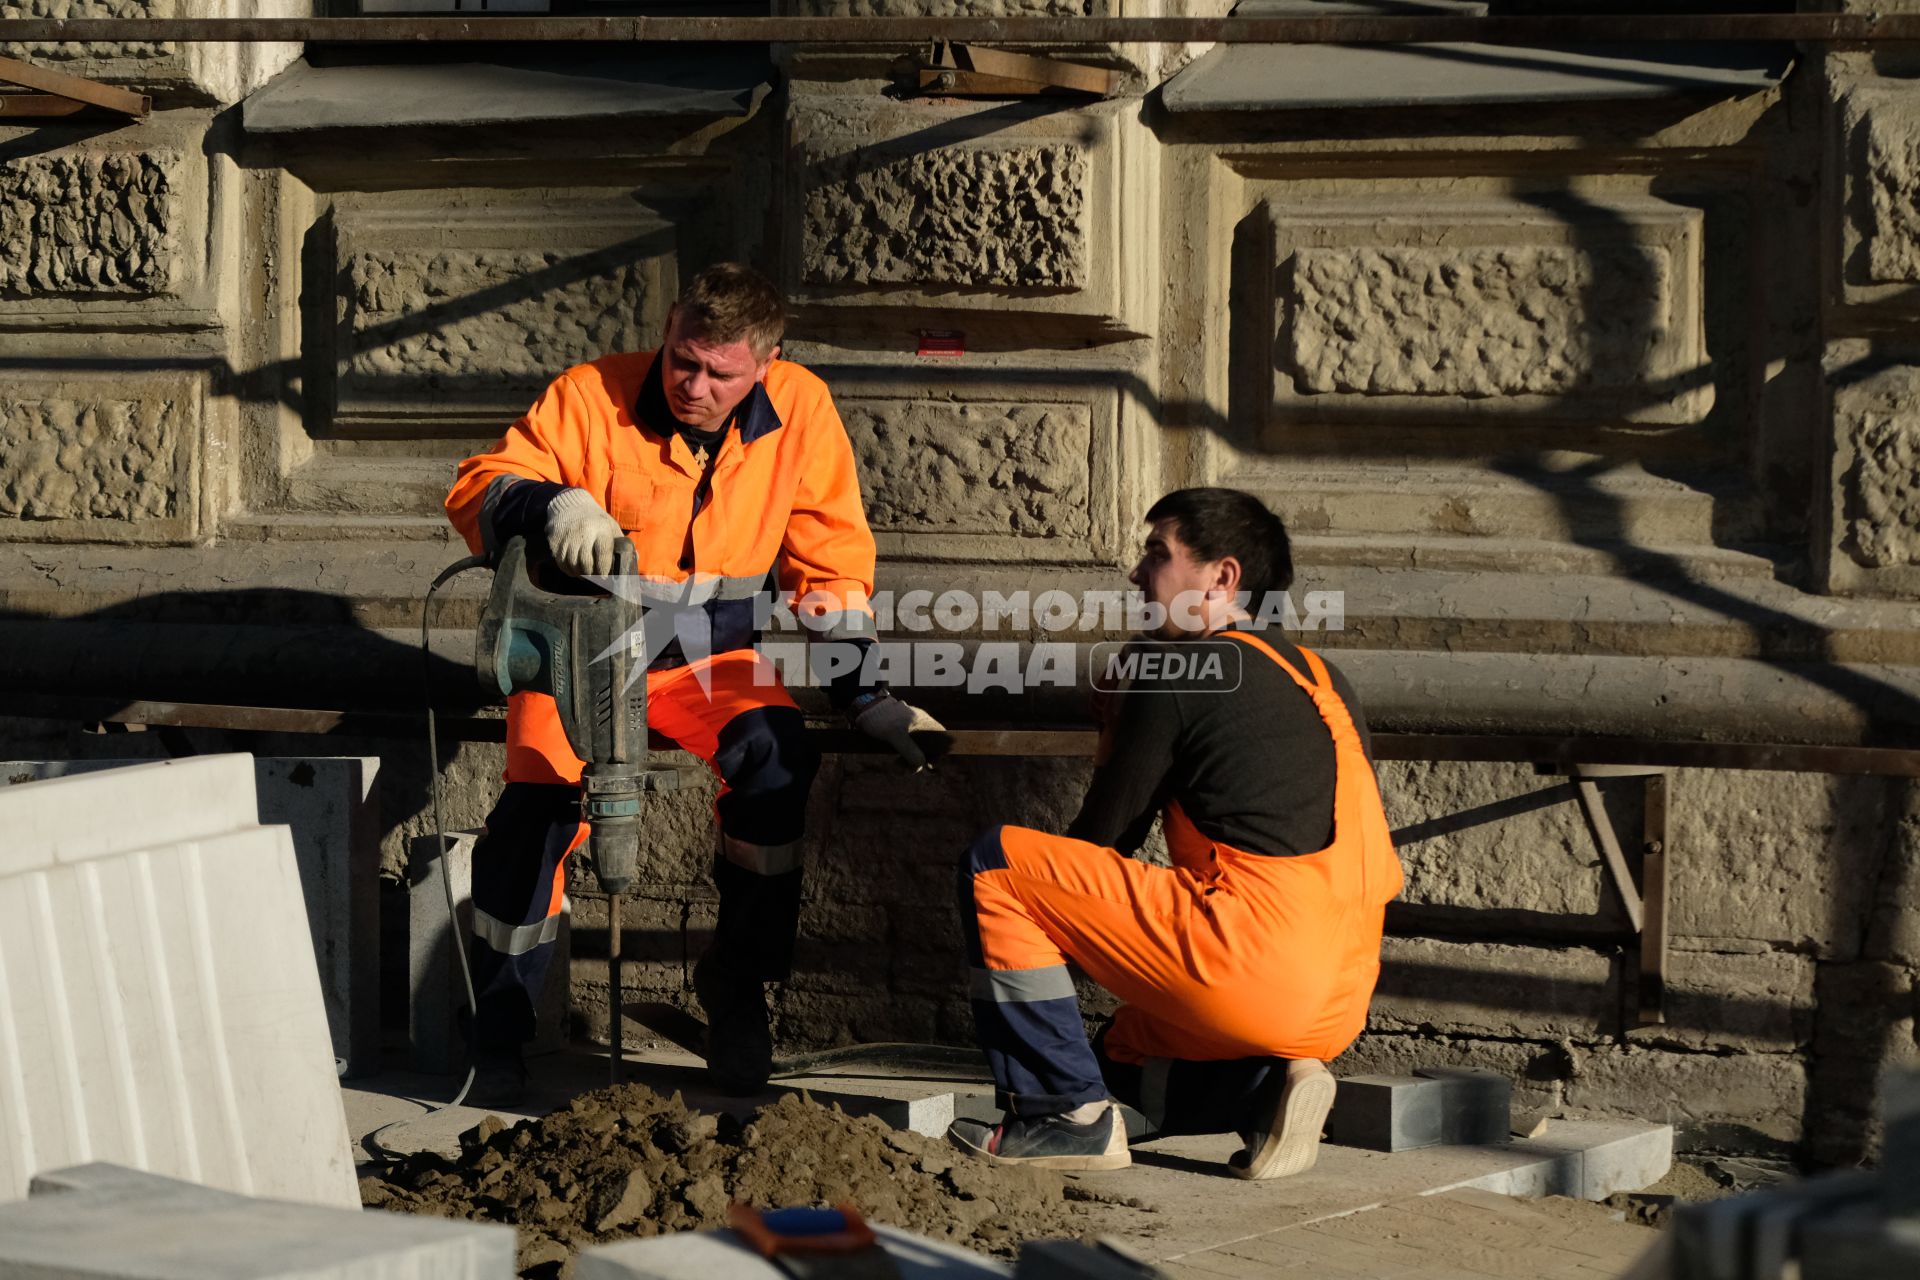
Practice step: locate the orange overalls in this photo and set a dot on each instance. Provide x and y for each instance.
(1224, 955)
(778, 498)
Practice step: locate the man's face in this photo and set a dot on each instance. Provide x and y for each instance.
(705, 381)
(1169, 577)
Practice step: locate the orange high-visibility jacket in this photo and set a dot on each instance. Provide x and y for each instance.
(784, 497)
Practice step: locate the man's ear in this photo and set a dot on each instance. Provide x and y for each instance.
(1226, 577)
(760, 374)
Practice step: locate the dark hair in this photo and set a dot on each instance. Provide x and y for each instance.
(729, 303)
(1217, 523)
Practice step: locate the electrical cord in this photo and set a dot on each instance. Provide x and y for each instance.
(372, 1143)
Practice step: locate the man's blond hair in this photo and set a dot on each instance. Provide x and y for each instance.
(730, 303)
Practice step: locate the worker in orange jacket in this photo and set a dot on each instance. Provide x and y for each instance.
(1245, 965)
(723, 465)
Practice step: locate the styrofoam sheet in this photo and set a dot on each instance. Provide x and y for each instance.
(159, 1002)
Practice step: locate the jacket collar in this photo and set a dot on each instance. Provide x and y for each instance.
(755, 416)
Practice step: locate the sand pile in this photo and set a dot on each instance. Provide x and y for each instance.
(625, 1162)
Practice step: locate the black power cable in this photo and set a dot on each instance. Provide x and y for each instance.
(372, 1143)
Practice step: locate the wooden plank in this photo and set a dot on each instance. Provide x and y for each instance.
(91, 92)
(1050, 72)
(1616, 861)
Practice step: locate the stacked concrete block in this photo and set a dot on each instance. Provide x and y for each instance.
(437, 991)
(107, 1222)
(164, 1006)
(1436, 1106)
(328, 804)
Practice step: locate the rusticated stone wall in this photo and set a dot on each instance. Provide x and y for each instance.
(508, 350)
(981, 468)
(1478, 322)
(958, 216)
(66, 51)
(92, 223)
(85, 457)
(1563, 403)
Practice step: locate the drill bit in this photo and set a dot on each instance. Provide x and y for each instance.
(613, 985)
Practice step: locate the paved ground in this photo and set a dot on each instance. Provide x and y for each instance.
(1356, 1214)
(1452, 1235)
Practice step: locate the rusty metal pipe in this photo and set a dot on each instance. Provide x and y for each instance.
(1849, 28)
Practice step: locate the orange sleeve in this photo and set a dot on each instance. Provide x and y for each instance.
(545, 444)
(827, 554)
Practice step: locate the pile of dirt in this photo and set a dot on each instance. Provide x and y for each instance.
(625, 1162)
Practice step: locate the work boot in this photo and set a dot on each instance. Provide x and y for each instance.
(739, 1041)
(1289, 1113)
(1047, 1142)
(499, 1078)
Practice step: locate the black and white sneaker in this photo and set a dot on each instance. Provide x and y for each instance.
(1288, 1117)
(1047, 1142)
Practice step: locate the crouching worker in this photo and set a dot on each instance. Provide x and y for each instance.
(1246, 965)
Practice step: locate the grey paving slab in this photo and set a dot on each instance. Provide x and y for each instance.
(106, 1222)
(328, 804)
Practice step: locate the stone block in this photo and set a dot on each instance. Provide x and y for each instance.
(99, 459)
(1495, 990)
(1864, 1028)
(164, 1006)
(436, 991)
(222, 72)
(974, 216)
(1883, 129)
(1540, 862)
(328, 804)
(103, 1221)
(460, 316)
(1586, 1159)
(1893, 931)
(1787, 859)
(1754, 1003)
(1744, 1103)
(1900, 1152)
(1876, 497)
(1489, 306)
(974, 467)
(1445, 1106)
(90, 223)
(1536, 1071)
(1859, 1243)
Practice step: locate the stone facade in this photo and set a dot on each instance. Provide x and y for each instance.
(89, 460)
(92, 223)
(979, 468)
(1474, 323)
(1601, 420)
(970, 217)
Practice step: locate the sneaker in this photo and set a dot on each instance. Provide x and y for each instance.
(1047, 1142)
(499, 1078)
(739, 1039)
(1288, 1117)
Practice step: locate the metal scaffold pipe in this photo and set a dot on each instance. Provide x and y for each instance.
(1847, 28)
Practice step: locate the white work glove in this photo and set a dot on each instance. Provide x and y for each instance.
(581, 535)
(889, 720)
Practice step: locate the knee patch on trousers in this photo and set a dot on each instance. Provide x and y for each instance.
(768, 762)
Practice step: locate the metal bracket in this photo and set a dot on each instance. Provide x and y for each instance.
(950, 67)
(57, 94)
(1645, 902)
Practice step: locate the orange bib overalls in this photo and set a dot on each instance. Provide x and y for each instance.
(1226, 954)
